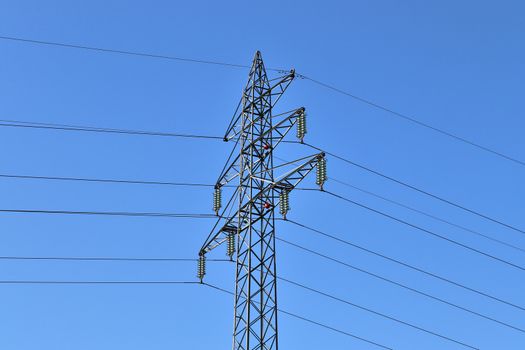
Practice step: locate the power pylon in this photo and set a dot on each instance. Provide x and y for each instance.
(250, 232)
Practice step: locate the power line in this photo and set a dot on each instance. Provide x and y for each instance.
(233, 65)
(123, 52)
(187, 184)
(415, 121)
(311, 251)
(291, 221)
(121, 213)
(95, 282)
(360, 307)
(156, 282)
(106, 180)
(70, 258)
(113, 213)
(377, 313)
(437, 235)
(404, 264)
(346, 160)
(189, 282)
(416, 210)
(190, 184)
(384, 279)
(331, 328)
(434, 217)
(310, 321)
(62, 127)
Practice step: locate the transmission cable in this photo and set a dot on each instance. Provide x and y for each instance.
(64, 282)
(94, 282)
(309, 320)
(437, 235)
(415, 121)
(106, 180)
(110, 213)
(306, 227)
(63, 127)
(192, 184)
(402, 263)
(122, 52)
(346, 160)
(384, 279)
(233, 65)
(105, 258)
(375, 312)
(311, 251)
(434, 217)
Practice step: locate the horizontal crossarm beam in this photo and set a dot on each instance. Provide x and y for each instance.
(276, 134)
(287, 182)
(274, 94)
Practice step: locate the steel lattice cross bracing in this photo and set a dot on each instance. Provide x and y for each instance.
(250, 232)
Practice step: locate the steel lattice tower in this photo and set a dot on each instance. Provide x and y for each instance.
(250, 232)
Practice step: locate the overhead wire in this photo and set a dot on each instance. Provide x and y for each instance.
(305, 77)
(405, 184)
(64, 127)
(309, 320)
(434, 217)
(192, 184)
(228, 260)
(422, 229)
(403, 264)
(125, 181)
(93, 282)
(415, 121)
(82, 282)
(401, 285)
(102, 258)
(106, 180)
(410, 208)
(199, 136)
(188, 259)
(110, 213)
(377, 313)
(298, 246)
(317, 323)
(124, 52)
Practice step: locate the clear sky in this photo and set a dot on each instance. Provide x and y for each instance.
(456, 65)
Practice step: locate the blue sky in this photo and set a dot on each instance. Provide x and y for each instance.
(455, 65)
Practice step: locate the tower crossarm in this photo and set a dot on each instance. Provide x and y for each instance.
(239, 221)
(276, 135)
(291, 179)
(272, 94)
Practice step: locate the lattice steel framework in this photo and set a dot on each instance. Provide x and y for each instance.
(250, 232)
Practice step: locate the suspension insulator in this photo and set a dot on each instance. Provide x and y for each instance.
(284, 202)
(201, 268)
(217, 200)
(321, 172)
(230, 249)
(301, 126)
